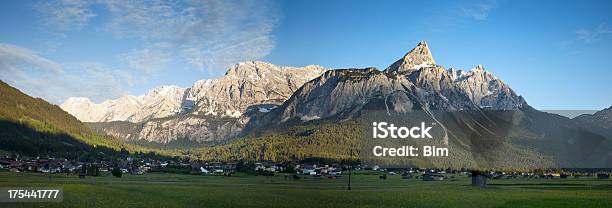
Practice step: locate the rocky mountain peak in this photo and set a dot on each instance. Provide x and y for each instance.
(82, 103)
(244, 85)
(485, 89)
(247, 84)
(417, 58)
(164, 89)
(159, 102)
(258, 71)
(479, 67)
(246, 67)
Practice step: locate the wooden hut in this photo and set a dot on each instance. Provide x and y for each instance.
(479, 179)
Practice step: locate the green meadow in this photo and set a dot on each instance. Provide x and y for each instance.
(171, 190)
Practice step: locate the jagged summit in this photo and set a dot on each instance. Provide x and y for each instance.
(159, 102)
(418, 57)
(249, 68)
(244, 84)
(249, 83)
(163, 90)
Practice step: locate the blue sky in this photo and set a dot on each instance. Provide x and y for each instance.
(554, 53)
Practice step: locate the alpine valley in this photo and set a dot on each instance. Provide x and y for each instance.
(262, 111)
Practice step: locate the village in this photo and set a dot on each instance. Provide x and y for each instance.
(290, 170)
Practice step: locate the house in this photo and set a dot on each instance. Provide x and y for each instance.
(335, 172)
(204, 171)
(6, 163)
(603, 176)
(259, 167)
(17, 165)
(219, 171)
(479, 179)
(272, 168)
(69, 167)
(309, 170)
(552, 175)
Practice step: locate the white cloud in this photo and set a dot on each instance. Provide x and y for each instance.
(478, 11)
(588, 36)
(459, 14)
(147, 61)
(13, 57)
(210, 34)
(40, 77)
(593, 35)
(64, 15)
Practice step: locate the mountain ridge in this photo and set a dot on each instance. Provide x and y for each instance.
(214, 111)
(602, 118)
(203, 96)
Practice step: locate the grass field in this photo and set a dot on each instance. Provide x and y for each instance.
(170, 190)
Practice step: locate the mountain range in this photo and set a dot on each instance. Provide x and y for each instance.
(210, 111)
(213, 111)
(244, 85)
(414, 82)
(262, 111)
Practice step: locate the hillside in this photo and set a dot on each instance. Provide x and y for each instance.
(602, 118)
(32, 126)
(288, 143)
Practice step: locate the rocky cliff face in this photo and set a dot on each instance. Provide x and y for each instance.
(414, 82)
(486, 90)
(342, 94)
(248, 84)
(244, 85)
(209, 111)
